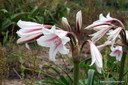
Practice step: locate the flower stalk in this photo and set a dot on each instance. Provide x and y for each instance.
(76, 73)
(122, 65)
(76, 60)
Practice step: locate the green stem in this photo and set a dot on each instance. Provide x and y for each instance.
(122, 67)
(76, 73)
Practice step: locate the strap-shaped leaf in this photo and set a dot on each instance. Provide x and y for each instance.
(59, 66)
(63, 79)
(90, 76)
(49, 82)
(42, 72)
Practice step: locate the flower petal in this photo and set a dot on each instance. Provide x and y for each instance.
(52, 53)
(25, 32)
(98, 35)
(101, 17)
(65, 40)
(94, 25)
(117, 51)
(63, 49)
(98, 28)
(99, 69)
(101, 47)
(47, 41)
(28, 25)
(102, 21)
(113, 34)
(96, 56)
(29, 38)
(27, 46)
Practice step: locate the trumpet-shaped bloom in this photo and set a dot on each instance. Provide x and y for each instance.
(117, 51)
(56, 40)
(29, 31)
(79, 20)
(102, 20)
(96, 56)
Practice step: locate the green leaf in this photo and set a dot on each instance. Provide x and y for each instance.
(6, 24)
(3, 10)
(70, 59)
(17, 14)
(63, 79)
(82, 82)
(59, 66)
(35, 9)
(71, 79)
(42, 72)
(85, 61)
(90, 76)
(49, 82)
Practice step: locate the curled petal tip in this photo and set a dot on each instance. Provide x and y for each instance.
(101, 16)
(108, 15)
(27, 46)
(99, 70)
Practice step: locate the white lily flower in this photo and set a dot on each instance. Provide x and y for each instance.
(113, 34)
(65, 23)
(79, 20)
(29, 31)
(99, 34)
(102, 20)
(96, 56)
(56, 40)
(117, 51)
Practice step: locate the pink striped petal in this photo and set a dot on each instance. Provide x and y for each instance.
(102, 21)
(29, 38)
(98, 35)
(96, 56)
(98, 28)
(25, 32)
(53, 51)
(117, 52)
(113, 34)
(28, 25)
(55, 39)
